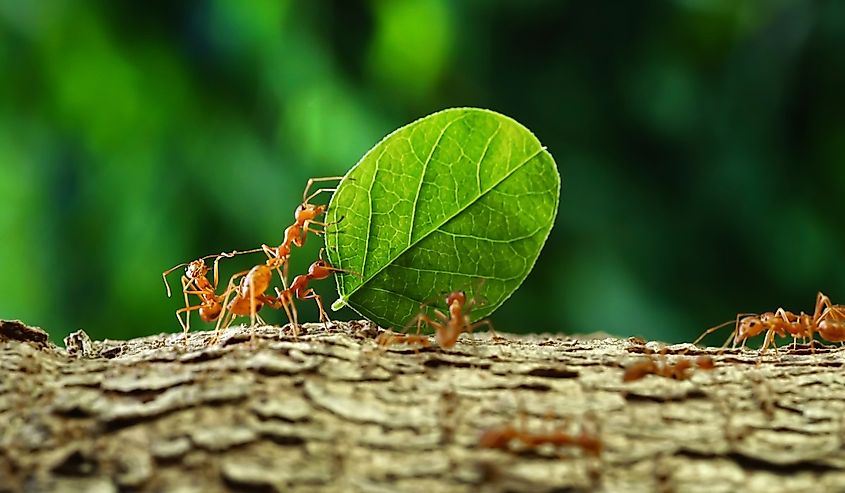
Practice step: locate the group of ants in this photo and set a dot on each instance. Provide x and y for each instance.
(246, 291)
(246, 294)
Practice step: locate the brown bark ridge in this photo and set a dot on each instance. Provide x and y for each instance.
(330, 411)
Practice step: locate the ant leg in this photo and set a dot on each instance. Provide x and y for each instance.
(780, 312)
(311, 294)
(484, 322)
(440, 315)
(710, 331)
(290, 309)
(167, 272)
(187, 311)
(295, 316)
(420, 319)
(770, 339)
(187, 325)
(821, 301)
(271, 254)
(216, 271)
(284, 301)
(252, 312)
(223, 315)
(312, 181)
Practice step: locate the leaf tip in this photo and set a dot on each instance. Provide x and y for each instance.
(339, 303)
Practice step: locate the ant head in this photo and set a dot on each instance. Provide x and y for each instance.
(458, 297)
(307, 211)
(749, 327)
(320, 269)
(196, 269)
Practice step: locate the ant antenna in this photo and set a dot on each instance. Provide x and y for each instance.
(167, 272)
(215, 256)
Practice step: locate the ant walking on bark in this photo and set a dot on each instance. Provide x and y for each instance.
(447, 328)
(391, 338)
(679, 370)
(501, 438)
(828, 321)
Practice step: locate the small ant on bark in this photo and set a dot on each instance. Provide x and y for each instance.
(501, 438)
(195, 282)
(679, 370)
(447, 328)
(390, 338)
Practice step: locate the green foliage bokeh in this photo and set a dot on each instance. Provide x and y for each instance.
(701, 145)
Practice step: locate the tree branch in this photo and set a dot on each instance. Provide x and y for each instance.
(329, 411)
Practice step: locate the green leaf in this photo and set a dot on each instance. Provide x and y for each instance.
(457, 197)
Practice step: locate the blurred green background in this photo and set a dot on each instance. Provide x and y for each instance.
(701, 144)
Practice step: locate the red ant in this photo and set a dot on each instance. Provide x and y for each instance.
(501, 437)
(390, 338)
(305, 216)
(679, 370)
(828, 321)
(195, 281)
(447, 328)
(299, 289)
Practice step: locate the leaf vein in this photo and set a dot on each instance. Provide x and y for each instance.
(422, 176)
(390, 261)
(490, 240)
(370, 217)
(484, 154)
(438, 271)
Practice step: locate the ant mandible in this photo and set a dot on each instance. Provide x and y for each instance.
(305, 216)
(195, 282)
(447, 328)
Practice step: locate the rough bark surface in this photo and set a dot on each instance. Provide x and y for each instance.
(329, 411)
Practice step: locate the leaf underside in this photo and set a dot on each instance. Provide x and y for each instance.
(459, 200)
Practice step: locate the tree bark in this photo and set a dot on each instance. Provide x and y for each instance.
(330, 411)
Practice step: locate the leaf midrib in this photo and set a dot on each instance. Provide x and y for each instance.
(446, 220)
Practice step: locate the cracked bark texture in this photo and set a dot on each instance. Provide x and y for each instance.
(329, 411)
